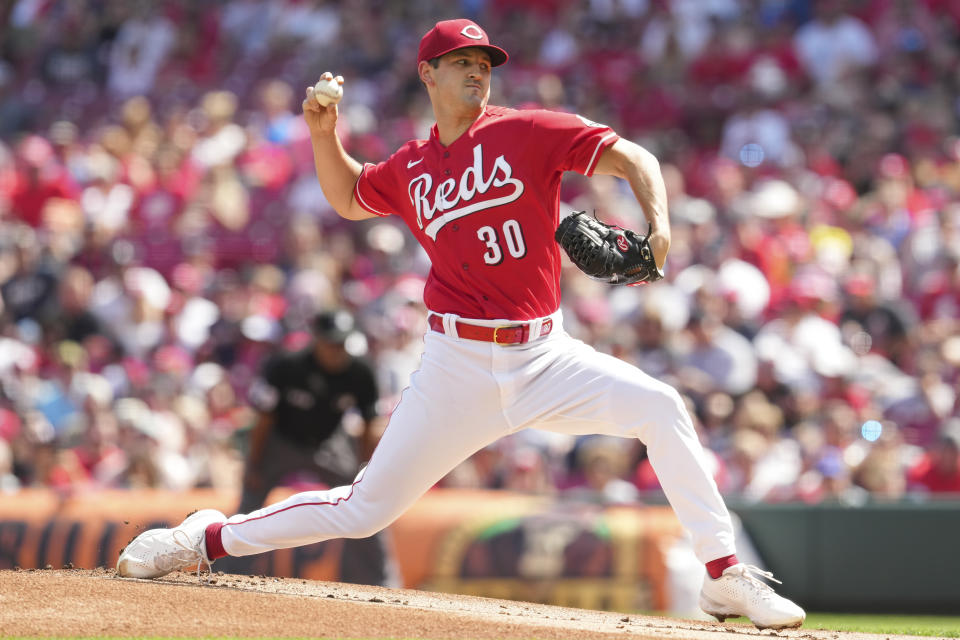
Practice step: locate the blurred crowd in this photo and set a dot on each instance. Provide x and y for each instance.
(162, 230)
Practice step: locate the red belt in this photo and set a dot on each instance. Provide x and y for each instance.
(518, 333)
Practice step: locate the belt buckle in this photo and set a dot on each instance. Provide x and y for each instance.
(524, 332)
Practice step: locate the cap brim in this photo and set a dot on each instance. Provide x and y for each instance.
(497, 55)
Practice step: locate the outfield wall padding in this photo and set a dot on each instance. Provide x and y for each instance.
(880, 558)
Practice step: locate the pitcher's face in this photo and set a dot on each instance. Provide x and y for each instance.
(462, 79)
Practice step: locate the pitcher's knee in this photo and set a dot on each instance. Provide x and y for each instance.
(664, 402)
(674, 401)
(661, 408)
(368, 518)
(368, 527)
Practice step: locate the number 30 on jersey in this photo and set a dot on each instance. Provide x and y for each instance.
(512, 238)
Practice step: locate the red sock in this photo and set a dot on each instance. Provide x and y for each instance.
(214, 543)
(714, 567)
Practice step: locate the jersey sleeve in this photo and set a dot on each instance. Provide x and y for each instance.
(374, 189)
(578, 141)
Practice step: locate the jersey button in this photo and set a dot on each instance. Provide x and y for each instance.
(456, 227)
(446, 154)
(465, 266)
(446, 171)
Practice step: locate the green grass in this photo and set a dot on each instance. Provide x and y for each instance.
(878, 623)
(904, 625)
(901, 625)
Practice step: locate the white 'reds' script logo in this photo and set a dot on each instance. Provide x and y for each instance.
(449, 193)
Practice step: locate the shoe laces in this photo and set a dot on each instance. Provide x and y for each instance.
(192, 552)
(752, 575)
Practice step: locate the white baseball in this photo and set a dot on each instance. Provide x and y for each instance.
(328, 91)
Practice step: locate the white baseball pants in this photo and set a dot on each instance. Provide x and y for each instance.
(466, 395)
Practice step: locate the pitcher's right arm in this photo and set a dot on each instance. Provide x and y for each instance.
(336, 170)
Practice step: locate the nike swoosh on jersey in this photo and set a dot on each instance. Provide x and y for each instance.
(414, 162)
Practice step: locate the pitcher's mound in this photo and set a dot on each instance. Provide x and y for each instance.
(81, 602)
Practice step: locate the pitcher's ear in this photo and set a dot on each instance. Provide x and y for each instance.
(425, 71)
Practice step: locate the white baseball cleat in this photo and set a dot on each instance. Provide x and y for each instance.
(739, 592)
(157, 552)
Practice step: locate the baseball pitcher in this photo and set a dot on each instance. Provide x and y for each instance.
(481, 195)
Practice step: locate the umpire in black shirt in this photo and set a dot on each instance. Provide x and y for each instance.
(301, 399)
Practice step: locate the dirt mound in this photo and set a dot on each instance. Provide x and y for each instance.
(81, 602)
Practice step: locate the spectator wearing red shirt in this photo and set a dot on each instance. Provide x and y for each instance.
(938, 470)
(725, 59)
(38, 179)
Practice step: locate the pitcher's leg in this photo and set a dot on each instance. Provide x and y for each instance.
(597, 393)
(585, 392)
(447, 414)
(364, 560)
(681, 465)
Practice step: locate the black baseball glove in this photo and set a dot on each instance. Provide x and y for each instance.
(606, 252)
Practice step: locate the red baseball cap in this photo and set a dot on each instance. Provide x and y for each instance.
(448, 35)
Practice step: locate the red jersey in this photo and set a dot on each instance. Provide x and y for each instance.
(485, 208)
(926, 474)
